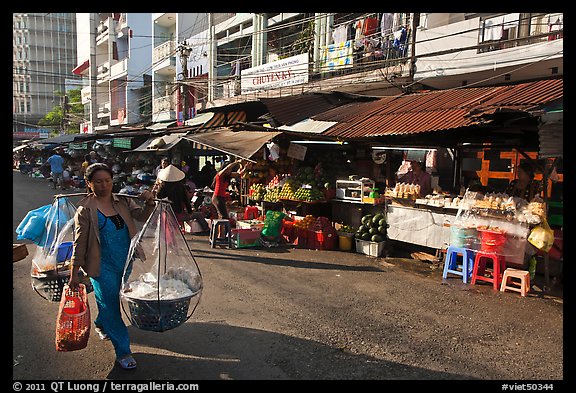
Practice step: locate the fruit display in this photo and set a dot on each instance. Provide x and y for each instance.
(289, 188)
(347, 229)
(308, 194)
(274, 182)
(257, 191)
(373, 228)
(306, 222)
(272, 194)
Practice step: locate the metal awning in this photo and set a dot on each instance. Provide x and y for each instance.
(243, 144)
(160, 126)
(309, 126)
(160, 143)
(79, 70)
(60, 139)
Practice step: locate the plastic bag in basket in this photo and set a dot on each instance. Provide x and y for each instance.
(73, 321)
(162, 283)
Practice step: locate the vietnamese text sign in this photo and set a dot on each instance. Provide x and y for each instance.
(297, 151)
(286, 72)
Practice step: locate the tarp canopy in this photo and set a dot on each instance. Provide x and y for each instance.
(243, 144)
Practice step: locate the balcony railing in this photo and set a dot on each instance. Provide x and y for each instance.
(162, 51)
(165, 104)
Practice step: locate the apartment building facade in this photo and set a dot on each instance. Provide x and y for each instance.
(44, 52)
(115, 62)
(203, 60)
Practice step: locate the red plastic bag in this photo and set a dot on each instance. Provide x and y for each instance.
(73, 321)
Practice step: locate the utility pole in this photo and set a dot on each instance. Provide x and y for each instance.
(415, 24)
(184, 50)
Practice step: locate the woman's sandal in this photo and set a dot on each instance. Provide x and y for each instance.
(101, 333)
(127, 362)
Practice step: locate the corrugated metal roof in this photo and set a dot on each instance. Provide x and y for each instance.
(436, 110)
(309, 125)
(290, 110)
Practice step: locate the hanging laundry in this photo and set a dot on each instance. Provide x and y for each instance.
(359, 37)
(340, 34)
(370, 26)
(386, 24)
(431, 161)
(493, 29)
(555, 23)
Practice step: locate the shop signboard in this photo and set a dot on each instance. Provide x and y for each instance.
(286, 72)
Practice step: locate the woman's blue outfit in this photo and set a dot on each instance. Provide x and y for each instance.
(115, 244)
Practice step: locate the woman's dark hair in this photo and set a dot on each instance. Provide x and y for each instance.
(175, 192)
(93, 168)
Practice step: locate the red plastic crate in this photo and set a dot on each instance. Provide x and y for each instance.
(322, 240)
(302, 238)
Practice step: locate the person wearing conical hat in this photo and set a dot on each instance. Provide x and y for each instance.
(171, 185)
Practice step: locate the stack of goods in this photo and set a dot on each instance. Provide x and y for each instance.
(302, 227)
(272, 195)
(257, 192)
(373, 228)
(404, 190)
(309, 194)
(289, 189)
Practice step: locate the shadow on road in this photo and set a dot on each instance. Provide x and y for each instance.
(217, 351)
(299, 263)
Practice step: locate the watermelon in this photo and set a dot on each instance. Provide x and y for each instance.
(382, 229)
(366, 219)
(366, 236)
(382, 222)
(377, 238)
(377, 218)
(373, 231)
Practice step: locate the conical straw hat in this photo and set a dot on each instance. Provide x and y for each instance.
(171, 174)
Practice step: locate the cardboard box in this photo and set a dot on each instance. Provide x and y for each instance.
(19, 252)
(245, 237)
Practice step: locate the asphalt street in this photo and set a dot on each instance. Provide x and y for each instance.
(296, 314)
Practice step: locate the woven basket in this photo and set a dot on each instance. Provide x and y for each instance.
(49, 285)
(158, 315)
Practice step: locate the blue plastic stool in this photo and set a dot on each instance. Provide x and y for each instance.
(451, 263)
(226, 240)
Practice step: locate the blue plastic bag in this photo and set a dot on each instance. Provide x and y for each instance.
(42, 225)
(34, 225)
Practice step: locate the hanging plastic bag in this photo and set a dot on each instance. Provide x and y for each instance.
(73, 320)
(161, 284)
(33, 225)
(51, 266)
(542, 236)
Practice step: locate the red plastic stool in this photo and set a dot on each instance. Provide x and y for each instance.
(481, 273)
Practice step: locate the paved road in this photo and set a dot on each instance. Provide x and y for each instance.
(292, 314)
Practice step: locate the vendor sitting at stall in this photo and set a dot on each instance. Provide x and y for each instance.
(417, 175)
(271, 232)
